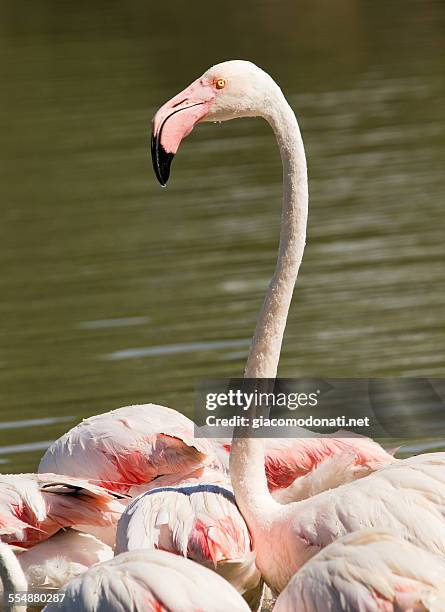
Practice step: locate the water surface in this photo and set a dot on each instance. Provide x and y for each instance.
(115, 291)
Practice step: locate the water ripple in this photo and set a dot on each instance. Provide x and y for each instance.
(174, 349)
(25, 448)
(34, 422)
(109, 323)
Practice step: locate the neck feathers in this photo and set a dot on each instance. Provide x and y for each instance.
(266, 346)
(247, 455)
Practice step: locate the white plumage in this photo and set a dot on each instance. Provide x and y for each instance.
(129, 446)
(367, 571)
(34, 507)
(407, 498)
(68, 553)
(198, 521)
(149, 581)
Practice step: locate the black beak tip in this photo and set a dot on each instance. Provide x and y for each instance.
(161, 160)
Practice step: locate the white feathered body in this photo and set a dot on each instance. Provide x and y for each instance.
(198, 521)
(367, 571)
(149, 581)
(407, 498)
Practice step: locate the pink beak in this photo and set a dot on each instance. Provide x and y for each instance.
(174, 121)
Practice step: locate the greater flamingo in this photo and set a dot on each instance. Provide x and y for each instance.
(33, 507)
(371, 571)
(129, 447)
(408, 496)
(197, 519)
(149, 581)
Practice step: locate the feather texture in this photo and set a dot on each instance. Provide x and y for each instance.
(33, 507)
(198, 521)
(129, 446)
(149, 581)
(407, 498)
(369, 571)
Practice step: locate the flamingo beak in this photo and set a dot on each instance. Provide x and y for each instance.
(174, 121)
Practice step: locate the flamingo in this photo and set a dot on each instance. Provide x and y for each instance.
(197, 519)
(368, 570)
(332, 472)
(288, 460)
(33, 507)
(149, 581)
(129, 447)
(53, 562)
(408, 496)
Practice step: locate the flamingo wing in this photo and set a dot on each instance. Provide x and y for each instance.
(289, 458)
(33, 507)
(74, 502)
(198, 521)
(23, 511)
(149, 581)
(406, 497)
(128, 446)
(332, 472)
(70, 485)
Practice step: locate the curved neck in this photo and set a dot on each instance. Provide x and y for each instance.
(266, 346)
(247, 454)
(12, 577)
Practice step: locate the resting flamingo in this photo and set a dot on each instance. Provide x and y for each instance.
(288, 460)
(33, 507)
(197, 519)
(368, 570)
(128, 447)
(52, 563)
(407, 496)
(149, 581)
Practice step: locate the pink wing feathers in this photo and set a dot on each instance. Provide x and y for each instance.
(33, 507)
(198, 521)
(129, 446)
(287, 459)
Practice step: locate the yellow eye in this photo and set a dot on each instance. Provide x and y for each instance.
(220, 83)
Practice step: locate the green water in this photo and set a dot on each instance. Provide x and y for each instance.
(114, 291)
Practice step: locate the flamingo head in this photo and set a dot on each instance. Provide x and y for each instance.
(232, 89)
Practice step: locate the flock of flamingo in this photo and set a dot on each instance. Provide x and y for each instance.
(130, 512)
